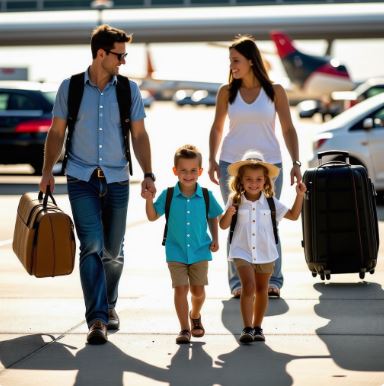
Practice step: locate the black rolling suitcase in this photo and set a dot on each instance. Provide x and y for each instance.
(339, 219)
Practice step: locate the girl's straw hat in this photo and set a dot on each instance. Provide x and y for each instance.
(253, 158)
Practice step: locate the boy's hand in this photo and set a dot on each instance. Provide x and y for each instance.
(301, 188)
(214, 246)
(147, 195)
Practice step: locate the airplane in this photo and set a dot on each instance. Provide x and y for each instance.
(165, 89)
(311, 77)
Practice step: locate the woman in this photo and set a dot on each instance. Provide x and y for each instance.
(251, 101)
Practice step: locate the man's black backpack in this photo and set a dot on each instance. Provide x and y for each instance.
(75, 94)
(168, 200)
(272, 208)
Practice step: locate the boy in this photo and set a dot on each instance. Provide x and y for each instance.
(188, 246)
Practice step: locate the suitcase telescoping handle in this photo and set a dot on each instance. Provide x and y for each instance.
(45, 196)
(322, 154)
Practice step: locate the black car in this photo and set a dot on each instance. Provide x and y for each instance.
(25, 117)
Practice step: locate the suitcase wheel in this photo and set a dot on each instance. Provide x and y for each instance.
(314, 274)
(322, 276)
(372, 271)
(361, 274)
(328, 276)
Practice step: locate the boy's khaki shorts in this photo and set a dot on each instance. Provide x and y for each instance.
(188, 274)
(259, 268)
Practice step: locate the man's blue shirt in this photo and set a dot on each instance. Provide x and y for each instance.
(97, 139)
(188, 241)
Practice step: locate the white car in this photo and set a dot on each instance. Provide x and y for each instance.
(359, 131)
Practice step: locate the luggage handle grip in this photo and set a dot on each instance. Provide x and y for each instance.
(321, 154)
(47, 194)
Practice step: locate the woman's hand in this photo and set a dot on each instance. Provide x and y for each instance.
(214, 168)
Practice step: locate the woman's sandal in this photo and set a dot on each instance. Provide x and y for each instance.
(183, 337)
(273, 292)
(197, 329)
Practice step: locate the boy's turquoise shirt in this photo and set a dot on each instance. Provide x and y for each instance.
(188, 240)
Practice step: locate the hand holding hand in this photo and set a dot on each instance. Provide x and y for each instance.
(301, 188)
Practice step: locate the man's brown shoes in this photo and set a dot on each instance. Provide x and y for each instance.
(113, 320)
(97, 333)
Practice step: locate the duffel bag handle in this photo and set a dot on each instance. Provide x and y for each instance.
(45, 196)
(322, 154)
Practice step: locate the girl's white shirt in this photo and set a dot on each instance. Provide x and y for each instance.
(251, 127)
(253, 239)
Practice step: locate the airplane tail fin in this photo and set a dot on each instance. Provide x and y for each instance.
(283, 43)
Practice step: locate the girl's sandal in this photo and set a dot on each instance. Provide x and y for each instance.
(183, 337)
(197, 329)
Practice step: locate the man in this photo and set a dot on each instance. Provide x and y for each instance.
(98, 174)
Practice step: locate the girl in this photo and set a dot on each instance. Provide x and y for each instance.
(253, 247)
(251, 101)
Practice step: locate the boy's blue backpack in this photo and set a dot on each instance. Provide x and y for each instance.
(168, 200)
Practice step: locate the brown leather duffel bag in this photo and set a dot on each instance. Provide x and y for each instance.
(43, 239)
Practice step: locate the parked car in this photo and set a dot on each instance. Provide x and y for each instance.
(341, 100)
(148, 99)
(194, 98)
(360, 131)
(183, 97)
(368, 89)
(25, 117)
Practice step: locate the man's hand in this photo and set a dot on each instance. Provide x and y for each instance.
(47, 179)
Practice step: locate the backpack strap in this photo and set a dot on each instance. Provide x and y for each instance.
(272, 207)
(206, 199)
(123, 94)
(75, 94)
(232, 226)
(168, 200)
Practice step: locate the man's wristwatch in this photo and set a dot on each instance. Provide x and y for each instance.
(298, 163)
(150, 175)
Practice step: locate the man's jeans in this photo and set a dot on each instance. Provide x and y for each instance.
(276, 279)
(99, 212)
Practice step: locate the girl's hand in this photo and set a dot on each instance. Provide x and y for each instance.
(301, 188)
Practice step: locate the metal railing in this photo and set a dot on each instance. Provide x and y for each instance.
(60, 5)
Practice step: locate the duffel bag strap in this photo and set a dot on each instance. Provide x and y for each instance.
(45, 196)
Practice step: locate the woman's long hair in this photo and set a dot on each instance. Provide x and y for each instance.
(237, 188)
(246, 46)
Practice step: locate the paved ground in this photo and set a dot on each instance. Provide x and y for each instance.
(317, 333)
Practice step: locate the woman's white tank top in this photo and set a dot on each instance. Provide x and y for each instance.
(251, 127)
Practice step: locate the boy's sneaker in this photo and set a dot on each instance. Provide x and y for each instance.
(258, 334)
(247, 335)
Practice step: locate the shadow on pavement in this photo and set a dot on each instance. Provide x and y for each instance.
(269, 366)
(354, 334)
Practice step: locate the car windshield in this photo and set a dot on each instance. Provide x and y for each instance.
(50, 95)
(354, 112)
